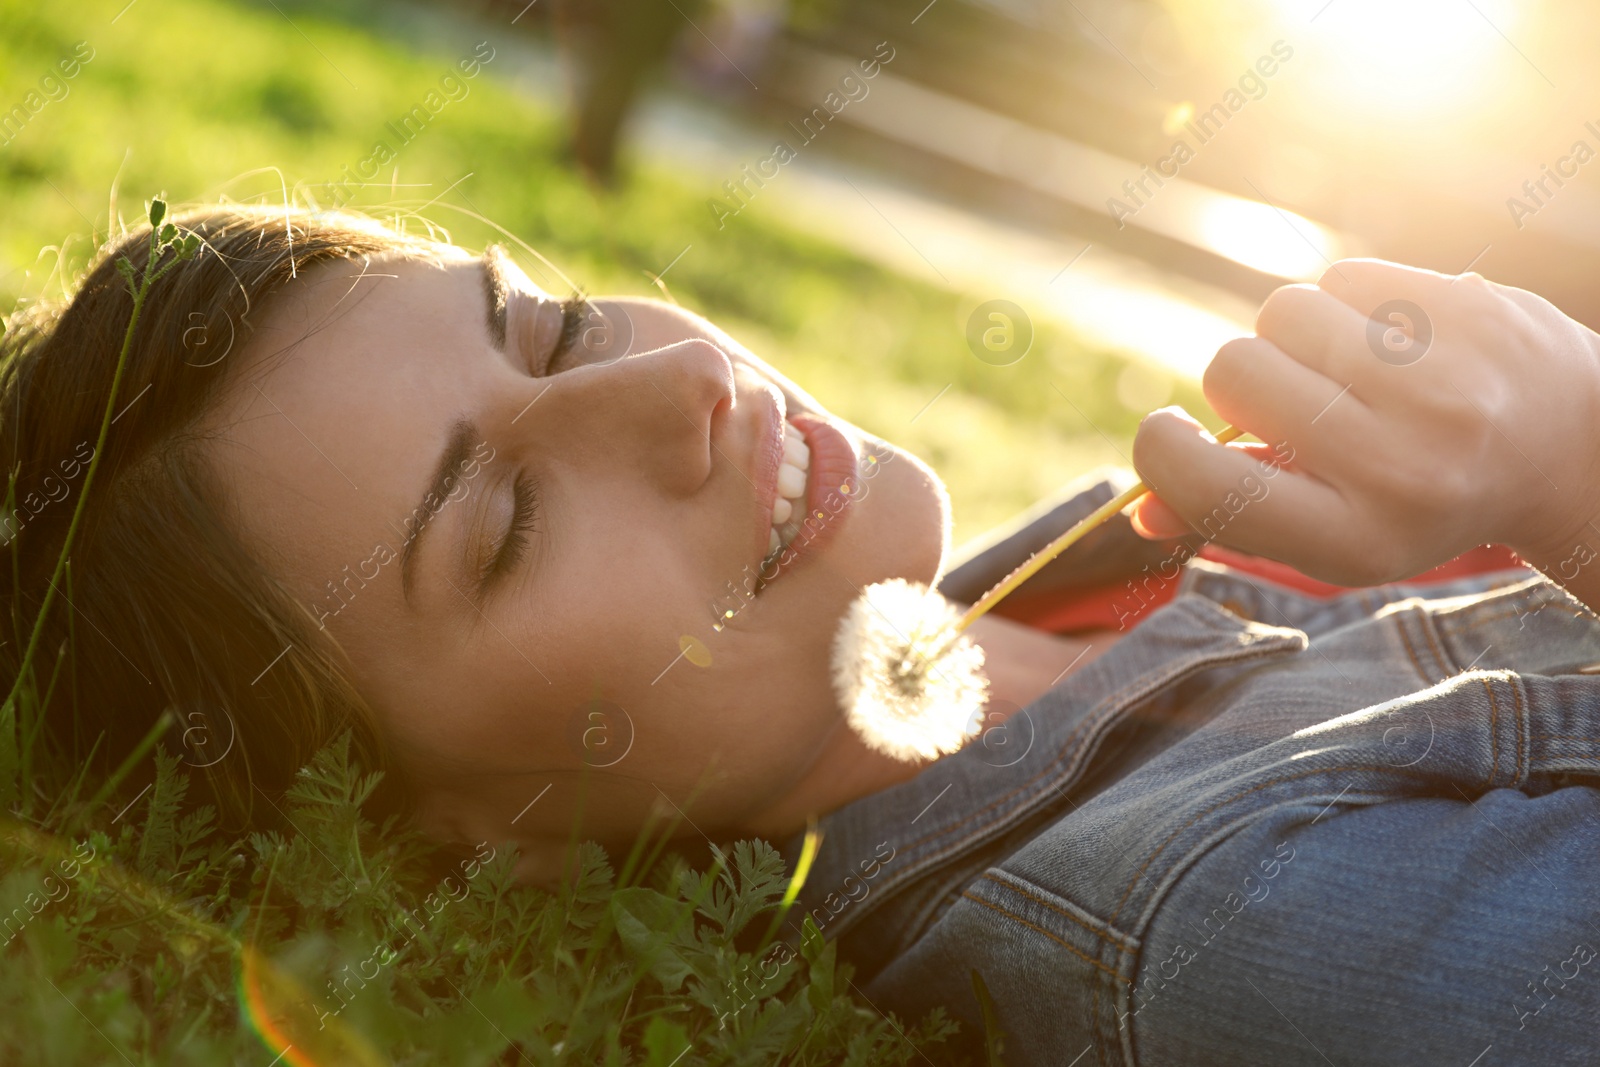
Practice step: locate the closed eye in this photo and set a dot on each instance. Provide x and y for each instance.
(524, 518)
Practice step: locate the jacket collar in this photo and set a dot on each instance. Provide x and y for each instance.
(884, 842)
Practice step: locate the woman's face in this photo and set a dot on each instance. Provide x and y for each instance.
(515, 519)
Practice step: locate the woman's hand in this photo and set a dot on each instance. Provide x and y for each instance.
(1425, 414)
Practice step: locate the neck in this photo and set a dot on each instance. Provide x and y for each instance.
(1022, 664)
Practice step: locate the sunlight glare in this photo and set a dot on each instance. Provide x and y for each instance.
(1410, 55)
(1266, 238)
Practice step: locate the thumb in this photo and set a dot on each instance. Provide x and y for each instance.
(1154, 520)
(1153, 517)
(1243, 496)
(1169, 445)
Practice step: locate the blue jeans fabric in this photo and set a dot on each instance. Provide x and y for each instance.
(1263, 828)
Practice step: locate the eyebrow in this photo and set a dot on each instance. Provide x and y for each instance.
(457, 450)
(494, 292)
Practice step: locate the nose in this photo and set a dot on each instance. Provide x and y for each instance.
(656, 411)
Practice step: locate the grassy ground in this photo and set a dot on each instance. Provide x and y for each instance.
(196, 96)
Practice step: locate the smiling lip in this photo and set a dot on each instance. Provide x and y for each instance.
(833, 466)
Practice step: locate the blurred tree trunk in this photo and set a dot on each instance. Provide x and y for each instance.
(618, 45)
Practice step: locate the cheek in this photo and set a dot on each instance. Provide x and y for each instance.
(737, 733)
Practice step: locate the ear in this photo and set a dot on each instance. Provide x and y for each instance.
(540, 859)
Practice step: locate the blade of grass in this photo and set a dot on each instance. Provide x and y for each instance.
(141, 291)
(993, 1043)
(65, 802)
(164, 720)
(802, 869)
(38, 719)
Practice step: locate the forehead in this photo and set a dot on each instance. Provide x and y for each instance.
(350, 383)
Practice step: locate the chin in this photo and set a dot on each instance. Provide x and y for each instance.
(908, 521)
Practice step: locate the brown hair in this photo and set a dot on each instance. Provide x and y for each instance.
(164, 607)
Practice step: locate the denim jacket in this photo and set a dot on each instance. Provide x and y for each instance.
(1262, 828)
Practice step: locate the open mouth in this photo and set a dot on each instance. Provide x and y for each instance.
(789, 506)
(816, 489)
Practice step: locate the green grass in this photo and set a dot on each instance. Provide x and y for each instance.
(251, 92)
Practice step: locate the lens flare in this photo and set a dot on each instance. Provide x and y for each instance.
(283, 1015)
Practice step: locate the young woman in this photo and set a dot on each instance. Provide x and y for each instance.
(562, 559)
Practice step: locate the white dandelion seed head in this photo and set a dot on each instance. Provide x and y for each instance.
(909, 681)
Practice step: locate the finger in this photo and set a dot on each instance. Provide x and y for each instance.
(1154, 519)
(1319, 331)
(1364, 284)
(1401, 304)
(1228, 496)
(1254, 385)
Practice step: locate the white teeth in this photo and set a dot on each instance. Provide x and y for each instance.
(792, 473)
(795, 451)
(791, 481)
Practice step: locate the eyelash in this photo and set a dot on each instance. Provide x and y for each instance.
(574, 309)
(524, 516)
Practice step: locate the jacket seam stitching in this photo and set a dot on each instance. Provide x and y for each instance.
(1019, 919)
(1116, 702)
(1219, 805)
(1447, 667)
(1095, 1006)
(1114, 940)
(1411, 654)
(1118, 705)
(1068, 757)
(1494, 731)
(1524, 601)
(1518, 710)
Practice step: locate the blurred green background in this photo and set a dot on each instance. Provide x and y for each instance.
(203, 99)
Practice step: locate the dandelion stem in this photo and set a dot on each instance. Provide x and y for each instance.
(1035, 563)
